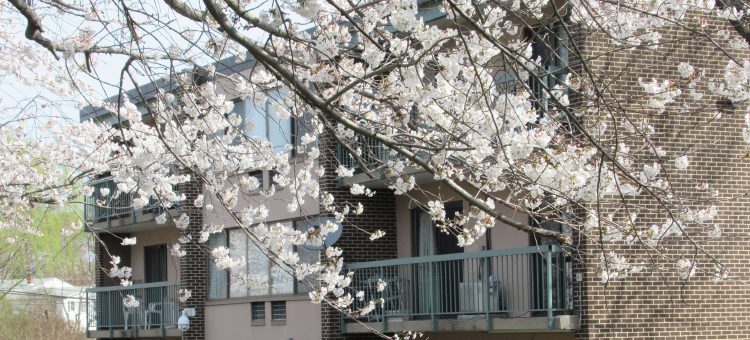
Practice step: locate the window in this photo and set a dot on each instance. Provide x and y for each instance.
(278, 310)
(306, 256)
(301, 125)
(258, 175)
(258, 313)
(260, 120)
(549, 43)
(72, 306)
(280, 281)
(218, 279)
(238, 248)
(271, 175)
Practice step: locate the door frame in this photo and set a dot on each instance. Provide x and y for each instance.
(414, 220)
(441, 278)
(163, 247)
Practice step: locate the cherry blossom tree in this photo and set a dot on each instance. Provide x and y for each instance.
(478, 94)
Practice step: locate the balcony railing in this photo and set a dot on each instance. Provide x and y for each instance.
(373, 154)
(100, 207)
(504, 283)
(115, 205)
(156, 313)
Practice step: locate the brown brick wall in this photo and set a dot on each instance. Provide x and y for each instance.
(656, 304)
(193, 266)
(379, 213)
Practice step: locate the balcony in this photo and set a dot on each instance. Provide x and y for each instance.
(156, 315)
(506, 290)
(106, 212)
(374, 157)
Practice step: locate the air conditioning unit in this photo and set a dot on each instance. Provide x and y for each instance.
(472, 297)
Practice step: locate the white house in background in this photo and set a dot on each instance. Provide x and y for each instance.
(50, 295)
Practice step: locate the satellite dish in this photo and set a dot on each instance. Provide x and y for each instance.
(329, 240)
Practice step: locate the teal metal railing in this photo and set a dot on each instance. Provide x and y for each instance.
(373, 153)
(100, 208)
(158, 307)
(530, 281)
(114, 205)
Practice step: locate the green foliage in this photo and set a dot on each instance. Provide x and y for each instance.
(60, 250)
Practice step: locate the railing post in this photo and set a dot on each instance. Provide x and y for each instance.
(550, 317)
(342, 320)
(109, 314)
(169, 291)
(87, 313)
(343, 323)
(487, 261)
(433, 303)
(383, 307)
(136, 313)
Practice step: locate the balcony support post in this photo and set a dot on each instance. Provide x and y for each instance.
(486, 279)
(343, 323)
(109, 314)
(383, 307)
(433, 296)
(143, 296)
(161, 310)
(548, 258)
(88, 319)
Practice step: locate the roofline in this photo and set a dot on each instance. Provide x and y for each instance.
(149, 90)
(225, 66)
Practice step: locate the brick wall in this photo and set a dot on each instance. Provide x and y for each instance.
(657, 304)
(379, 213)
(193, 266)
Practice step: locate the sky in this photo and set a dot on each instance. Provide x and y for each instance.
(15, 95)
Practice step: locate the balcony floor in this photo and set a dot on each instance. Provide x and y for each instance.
(473, 323)
(154, 332)
(381, 181)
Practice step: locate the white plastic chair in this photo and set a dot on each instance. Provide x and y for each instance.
(126, 313)
(153, 308)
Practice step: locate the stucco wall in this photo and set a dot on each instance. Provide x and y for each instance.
(277, 204)
(166, 236)
(232, 322)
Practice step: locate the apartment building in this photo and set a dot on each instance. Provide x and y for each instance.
(507, 285)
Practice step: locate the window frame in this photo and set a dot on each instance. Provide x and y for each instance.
(552, 39)
(257, 321)
(291, 137)
(279, 321)
(270, 296)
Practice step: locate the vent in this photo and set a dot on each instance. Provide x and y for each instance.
(278, 310)
(258, 311)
